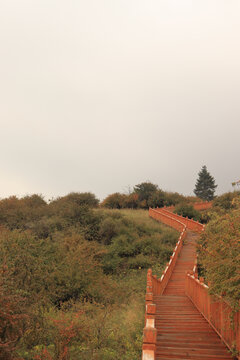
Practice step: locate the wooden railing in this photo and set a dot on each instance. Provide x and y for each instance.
(189, 223)
(149, 332)
(217, 312)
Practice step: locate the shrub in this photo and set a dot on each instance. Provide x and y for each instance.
(174, 198)
(17, 213)
(108, 229)
(219, 254)
(13, 318)
(114, 201)
(188, 211)
(226, 201)
(139, 262)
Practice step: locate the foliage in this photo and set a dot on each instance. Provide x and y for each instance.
(174, 198)
(145, 195)
(188, 211)
(67, 258)
(86, 198)
(131, 201)
(205, 185)
(219, 255)
(13, 318)
(226, 201)
(114, 201)
(145, 190)
(134, 245)
(17, 213)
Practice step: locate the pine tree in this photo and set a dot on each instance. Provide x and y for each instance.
(205, 185)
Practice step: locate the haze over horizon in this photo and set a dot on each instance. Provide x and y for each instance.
(101, 95)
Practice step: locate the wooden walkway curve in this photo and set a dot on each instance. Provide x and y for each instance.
(183, 333)
(181, 317)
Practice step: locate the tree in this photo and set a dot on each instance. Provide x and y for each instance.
(145, 190)
(205, 185)
(114, 201)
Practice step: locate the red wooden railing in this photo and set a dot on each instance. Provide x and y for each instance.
(189, 223)
(216, 311)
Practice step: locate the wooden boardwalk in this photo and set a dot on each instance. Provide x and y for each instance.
(182, 332)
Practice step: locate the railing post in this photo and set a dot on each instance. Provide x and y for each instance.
(149, 334)
(209, 305)
(149, 331)
(221, 318)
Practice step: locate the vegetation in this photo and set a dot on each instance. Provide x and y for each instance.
(226, 201)
(219, 248)
(73, 274)
(143, 196)
(205, 186)
(73, 277)
(188, 211)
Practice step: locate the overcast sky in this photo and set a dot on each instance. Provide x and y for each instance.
(100, 95)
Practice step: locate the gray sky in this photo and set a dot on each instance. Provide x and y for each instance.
(99, 95)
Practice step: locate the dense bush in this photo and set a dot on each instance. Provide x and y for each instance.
(17, 213)
(174, 198)
(114, 201)
(226, 201)
(144, 195)
(188, 211)
(13, 317)
(76, 277)
(219, 254)
(49, 271)
(128, 240)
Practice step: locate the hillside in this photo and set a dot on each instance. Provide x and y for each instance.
(73, 278)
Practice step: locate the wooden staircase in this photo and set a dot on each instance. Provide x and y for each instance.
(182, 319)
(182, 332)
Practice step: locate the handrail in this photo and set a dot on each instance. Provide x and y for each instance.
(189, 223)
(216, 311)
(149, 331)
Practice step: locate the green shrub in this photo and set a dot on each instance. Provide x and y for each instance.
(188, 211)
(219, 254)
(108, 229)
(139, 262)
(114, 201)
(63, 256)
(226, 201)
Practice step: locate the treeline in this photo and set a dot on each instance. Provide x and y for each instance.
(143, 196)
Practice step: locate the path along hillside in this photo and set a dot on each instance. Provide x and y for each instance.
(182, 320)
